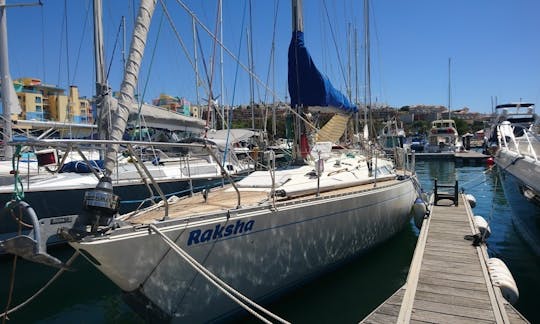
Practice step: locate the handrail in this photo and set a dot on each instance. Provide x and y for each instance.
(139, 165)
(70, 143)
(66, 142)
(530, 149)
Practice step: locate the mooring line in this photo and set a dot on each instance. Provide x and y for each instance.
(221, 285)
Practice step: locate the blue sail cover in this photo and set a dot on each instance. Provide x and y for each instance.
(308, 86)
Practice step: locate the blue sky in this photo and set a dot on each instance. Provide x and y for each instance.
(493, 45)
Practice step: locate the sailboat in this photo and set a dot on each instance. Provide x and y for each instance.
(56, 187)
(209, 256)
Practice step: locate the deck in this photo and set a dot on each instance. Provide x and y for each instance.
(471, 157)
(448, 280)
(224, 199)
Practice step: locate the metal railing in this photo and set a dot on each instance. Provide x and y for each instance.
(527, 144)
(69, 145)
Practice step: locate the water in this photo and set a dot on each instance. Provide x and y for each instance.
(345, 295)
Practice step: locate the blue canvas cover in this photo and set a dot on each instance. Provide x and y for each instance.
(308, 86)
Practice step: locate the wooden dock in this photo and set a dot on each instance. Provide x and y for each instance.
(448, 280)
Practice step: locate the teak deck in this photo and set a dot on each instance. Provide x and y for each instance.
(448, 280)
(220, 199)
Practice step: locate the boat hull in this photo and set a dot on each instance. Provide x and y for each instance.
(260, 251)
(521, 184)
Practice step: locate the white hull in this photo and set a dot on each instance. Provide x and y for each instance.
(520, 177)
(276, 249)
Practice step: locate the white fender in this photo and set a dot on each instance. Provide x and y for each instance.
(472, 201)
(502, 277)
(483, 226)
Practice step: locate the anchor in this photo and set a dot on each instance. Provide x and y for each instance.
(31, 247)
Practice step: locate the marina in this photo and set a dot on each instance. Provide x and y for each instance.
(346, 295)
(316, 204)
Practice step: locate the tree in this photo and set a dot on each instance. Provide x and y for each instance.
(461, 126)
(420, 126)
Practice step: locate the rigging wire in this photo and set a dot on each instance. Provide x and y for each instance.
(213, 36)
(335, 43)
(149, 69)
(43, 43)
(114, 49)
(60, 48)
(212, 64)
(378, 54)
(179, 38)
(72, 81)
(235, 77)
(272, 50)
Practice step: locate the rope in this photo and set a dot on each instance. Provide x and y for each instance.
(492, 210)
(42, 289)
(226, 289)
(13, 270)
(476, 178)
(18, 189)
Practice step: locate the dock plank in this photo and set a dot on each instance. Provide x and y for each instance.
(448, 280)
(453, 300)
(455, 310)
(435, 317)
(453, 277)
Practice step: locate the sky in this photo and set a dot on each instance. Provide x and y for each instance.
(483, 51)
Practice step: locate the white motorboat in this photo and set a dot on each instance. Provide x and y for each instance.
(443, 137)
(518, 161)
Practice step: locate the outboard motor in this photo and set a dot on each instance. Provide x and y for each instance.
(101, 204)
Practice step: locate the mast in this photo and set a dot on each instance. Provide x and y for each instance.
(356, 124)
(102, 89)
(10, 103)
(221, 63)
(127, 90)
(251, 81)
(449, 86)
(367, 91)
(297, 18)
(194, 26)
